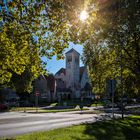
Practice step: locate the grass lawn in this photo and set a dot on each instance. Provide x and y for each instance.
(100, 103)
(55, 111)
(127, 129)
(33, 109)
(22, 108)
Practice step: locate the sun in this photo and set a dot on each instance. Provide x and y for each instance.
(83, 15)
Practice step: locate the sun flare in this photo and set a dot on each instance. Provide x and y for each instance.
(83, 15)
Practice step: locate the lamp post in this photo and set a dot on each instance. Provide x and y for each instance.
(121, 78)
(121, 63)
(36, 100)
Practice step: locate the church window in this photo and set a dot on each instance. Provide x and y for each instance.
(69, 59)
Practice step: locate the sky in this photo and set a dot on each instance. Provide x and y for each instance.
(54, 65)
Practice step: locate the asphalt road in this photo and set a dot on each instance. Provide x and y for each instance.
(16, 123)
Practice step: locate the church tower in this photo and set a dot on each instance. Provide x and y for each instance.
(72, 69)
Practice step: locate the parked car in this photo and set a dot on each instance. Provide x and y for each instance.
(13, 104)
(3, 107)
(25, 104)
(111, 104)
(106, 102)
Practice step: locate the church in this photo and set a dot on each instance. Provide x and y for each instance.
(73, 81)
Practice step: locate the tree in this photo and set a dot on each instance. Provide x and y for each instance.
(117, 28)
(110, 25)
(18, 56)
(28, 31)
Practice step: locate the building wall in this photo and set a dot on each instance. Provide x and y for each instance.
(61, 76)
(73, 77)
(41, 87)
(69, 76)
(60, 80)
(72, 70)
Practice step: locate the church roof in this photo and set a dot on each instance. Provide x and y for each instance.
(71, 51)
(62, 70)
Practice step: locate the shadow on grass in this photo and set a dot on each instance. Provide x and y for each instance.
(127, 129)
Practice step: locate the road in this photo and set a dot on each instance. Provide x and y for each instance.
(16, 123)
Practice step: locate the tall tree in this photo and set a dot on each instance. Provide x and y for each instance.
(109, 26)
(118, 28)
(17, 55)
(29, 30)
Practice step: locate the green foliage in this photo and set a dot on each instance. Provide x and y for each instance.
(45, 28)
(29, 30)
(19, 59)
(115, 42)
(32, 29)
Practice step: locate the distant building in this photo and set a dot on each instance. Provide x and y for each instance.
(51, 84)
(45, 86)
(67, 83)
(71, 81)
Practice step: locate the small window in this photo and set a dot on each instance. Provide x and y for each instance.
(69, 59)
